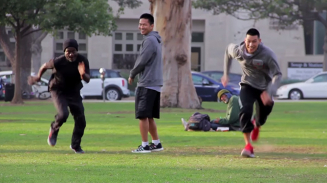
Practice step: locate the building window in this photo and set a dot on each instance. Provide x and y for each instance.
(129, 47)
(139, 36)
(314, 34)
(118, 36)
(62, 35)
(59, 47)
(118, 47)
(82, 47)
(71, 35)
(125, 49)
(197, 37)
(81, 36)
(129, 36)
(3, 58)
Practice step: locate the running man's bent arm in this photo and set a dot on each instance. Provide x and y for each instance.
(86, 76)
(231, 52)
(147, 52)
(44, 67)
(274, 70)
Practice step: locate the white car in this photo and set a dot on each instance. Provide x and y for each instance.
(115, 86)
(42, 86)
(315, 87)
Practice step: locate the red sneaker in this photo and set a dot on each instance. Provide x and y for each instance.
(255, 132)
(247, 152)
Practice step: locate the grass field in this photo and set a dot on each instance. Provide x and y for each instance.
(292, 147)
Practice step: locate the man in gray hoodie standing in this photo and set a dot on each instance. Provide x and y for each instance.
(260, 80)
(148, 67)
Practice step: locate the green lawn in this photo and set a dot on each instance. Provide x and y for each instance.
(292, 147)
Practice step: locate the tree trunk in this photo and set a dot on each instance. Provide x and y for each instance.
(325, 51)
(36, 50)
(173, 21)
(18, 94)
(25, 69)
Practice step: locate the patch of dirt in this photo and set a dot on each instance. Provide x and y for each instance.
(8, 113)
(166, 110)
(9, 120)
(115, 112)
(191, 110)
(28, 103)
(293, 111)
(299, 152)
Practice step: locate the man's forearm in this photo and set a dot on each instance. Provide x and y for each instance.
(273, 86)
(41, 70)
(86, 77)
(229, 55)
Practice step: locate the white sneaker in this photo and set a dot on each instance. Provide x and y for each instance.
(247, 154)
(142, 149)
(185, 124)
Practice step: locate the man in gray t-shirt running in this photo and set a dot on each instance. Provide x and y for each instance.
(260, 80)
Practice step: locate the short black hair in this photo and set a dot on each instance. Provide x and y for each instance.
(253, 32)
(149, 17)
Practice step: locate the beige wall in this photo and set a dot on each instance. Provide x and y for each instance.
(219, 31)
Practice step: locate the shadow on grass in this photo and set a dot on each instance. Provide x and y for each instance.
(175, 152)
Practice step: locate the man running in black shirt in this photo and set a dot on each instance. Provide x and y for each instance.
(65, 85)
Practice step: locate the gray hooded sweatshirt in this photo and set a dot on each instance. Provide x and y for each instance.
(260, 69)
(149, 62)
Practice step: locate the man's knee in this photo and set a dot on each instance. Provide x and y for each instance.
(80, 119)
(62, 116)
(246, 113)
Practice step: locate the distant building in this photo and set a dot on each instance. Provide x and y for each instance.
(210, 36)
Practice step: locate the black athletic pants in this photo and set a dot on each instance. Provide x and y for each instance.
(249, 96)
(74, 101)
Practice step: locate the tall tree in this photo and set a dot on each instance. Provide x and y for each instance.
(287, 12)
(173, 21)
(28, 17)
(38, 37)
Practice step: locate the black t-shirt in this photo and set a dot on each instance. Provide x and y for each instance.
(66, 76)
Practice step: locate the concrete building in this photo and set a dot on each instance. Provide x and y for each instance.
(210, 36)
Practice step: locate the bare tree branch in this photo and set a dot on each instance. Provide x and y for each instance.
(6, 45)
(25, 29)
(41, 37)
(30, 32)
(321, 20)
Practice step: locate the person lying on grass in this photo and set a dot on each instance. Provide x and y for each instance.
(202, 121)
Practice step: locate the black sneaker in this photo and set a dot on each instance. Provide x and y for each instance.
(154, 147)
(78, 150)
(142, 149)
(52, 138)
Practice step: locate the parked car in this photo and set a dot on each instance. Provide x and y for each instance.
(7, 77)
(207, 88)
(315, 87)
(115, 85)
(233, 78)
(2, 87)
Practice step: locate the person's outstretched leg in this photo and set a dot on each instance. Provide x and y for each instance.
(262, 113)
(247, 99)
(156, 144)
(60, 103)
(77, 109)
(143, 110)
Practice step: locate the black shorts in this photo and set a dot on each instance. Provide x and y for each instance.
(147, 103)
